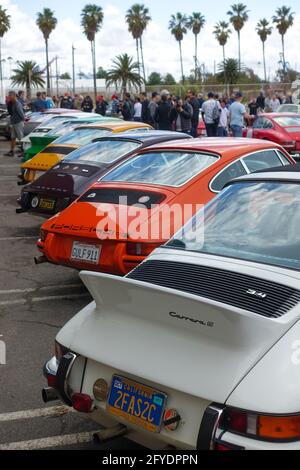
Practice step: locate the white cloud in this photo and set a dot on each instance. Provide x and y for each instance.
(24, 41)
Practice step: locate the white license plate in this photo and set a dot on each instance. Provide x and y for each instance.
(86, 253)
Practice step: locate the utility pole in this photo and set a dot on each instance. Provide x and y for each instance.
(56, 72)
(73, 68)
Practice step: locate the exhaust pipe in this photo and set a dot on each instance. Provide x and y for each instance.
(20, 210)
(49, 394)
(109, 433)
(40, 260)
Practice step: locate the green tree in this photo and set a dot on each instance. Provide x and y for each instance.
(138, 18)
(238, 17)
(229, 70)
(154, 79)
(283, 19)
(65, 76)
(178, 27)
(101, 73)
(91, 22)
(169, 80)
(29, 75)
(4, 28)
(125, 72)
(264, 30)
(196, 23)
(47, 22)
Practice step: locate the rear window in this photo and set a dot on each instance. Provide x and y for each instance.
(63, 129)
(82, 136)
(162, 168)
(106, 151)
(288, 121)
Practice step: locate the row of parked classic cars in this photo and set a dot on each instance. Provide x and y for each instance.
(190, 250)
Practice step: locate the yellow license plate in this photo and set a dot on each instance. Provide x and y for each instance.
(47, 204)
(137, 403)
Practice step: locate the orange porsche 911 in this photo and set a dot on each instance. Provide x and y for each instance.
(142, 202)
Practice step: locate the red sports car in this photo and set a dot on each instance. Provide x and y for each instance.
(282, 128)
(137, 206)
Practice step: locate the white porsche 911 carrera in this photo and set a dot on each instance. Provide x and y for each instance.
(199, 346)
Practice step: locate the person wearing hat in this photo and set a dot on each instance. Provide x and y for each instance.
(101, 105)
(237, 114)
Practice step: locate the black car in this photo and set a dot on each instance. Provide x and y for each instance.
(65, 182)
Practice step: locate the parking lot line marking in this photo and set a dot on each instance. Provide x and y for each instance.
(59, 297)
(37, 413)
(9, 239)
(41, 289)
(48, 442)
(9, 195)
(4, 303)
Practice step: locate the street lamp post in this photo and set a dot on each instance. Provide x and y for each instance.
(73, 68)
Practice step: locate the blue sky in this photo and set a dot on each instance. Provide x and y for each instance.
(160, 9)
(24, 40)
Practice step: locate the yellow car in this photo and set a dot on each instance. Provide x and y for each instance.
(66, 144)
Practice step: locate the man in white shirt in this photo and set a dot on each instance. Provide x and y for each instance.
(274, 104)
(224, 118)
(137, 110)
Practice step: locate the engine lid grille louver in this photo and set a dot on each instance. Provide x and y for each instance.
(266, 298)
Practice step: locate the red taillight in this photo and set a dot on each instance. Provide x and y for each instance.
(82, 402)
(140, 249)
(237, 421)
(51, 379)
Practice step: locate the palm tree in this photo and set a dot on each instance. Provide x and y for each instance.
(47, 22)
(137, 18)
(264, 30)
(222, 33)
(238, 17)
(178, 27)
(4, 28)
(229, 71)
(28, 74)
(125, 72)
(196, 22)
(283, 19)
(91, 21)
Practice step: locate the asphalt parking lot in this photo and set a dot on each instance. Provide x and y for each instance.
(35, 302)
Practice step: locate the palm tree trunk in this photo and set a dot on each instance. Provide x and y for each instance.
(196, 56)
(283, 54)
(138, 54)
(224, 65)
(48, 71)
(93, 49)
(264, 59)
(239, 41)
(143, 62)
(181, 62)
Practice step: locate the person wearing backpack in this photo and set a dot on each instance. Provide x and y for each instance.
(211, 115)
(87, 104)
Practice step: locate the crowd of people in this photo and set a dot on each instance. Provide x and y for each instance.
(163, 111)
